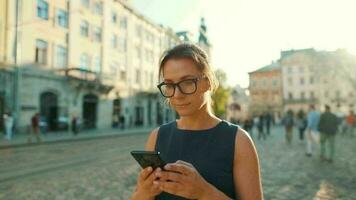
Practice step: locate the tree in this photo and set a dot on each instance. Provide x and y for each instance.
(221, 95)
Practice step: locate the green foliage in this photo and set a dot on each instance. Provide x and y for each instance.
(221, 95)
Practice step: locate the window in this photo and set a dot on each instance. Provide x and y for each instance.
(85, 3)
(290, 95)
(113, 69)
(302, 95)
(138, 52)
(42, 9)
(97, 64)
(97, 34)
(274, 82)
(98, 8)
(138, 76)
(41, 52)
(312, 95)
(311, 80)
(138, 31)
(84, 61)
(123, 75)
(62, 18)
(114, 41)
(61, 57)
(123, 23)
(123, 45)
(302, 81)
(290, 81)
(289, 70)
(84, 28)
(113, 17)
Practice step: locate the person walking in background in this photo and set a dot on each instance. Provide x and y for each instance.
(74, 124)
(288, 122)
(268, 120)
(328, 127)
(9, 124)
(301, 124)
(248, 125)
(260, 127)
(351, 123)
(35, 129)
(312, 129)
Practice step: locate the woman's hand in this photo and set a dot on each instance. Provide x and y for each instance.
(182, 179)
(145, 186)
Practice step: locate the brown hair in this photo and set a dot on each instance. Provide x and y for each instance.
(194, 53)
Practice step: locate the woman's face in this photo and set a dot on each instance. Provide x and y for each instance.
(178, 70)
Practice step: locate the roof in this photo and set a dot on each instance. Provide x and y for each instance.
(271, 67)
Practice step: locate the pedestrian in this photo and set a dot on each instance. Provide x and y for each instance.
(35, 129)
(301, 124)
(248, 124)
(328, 127)
(207, 157)
(351, 123)
(9, 124)
(288, 122)
(122, 122)
(74, 124)
(260, 127)
(312, 129)
(268, 121)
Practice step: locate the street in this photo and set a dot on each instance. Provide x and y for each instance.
(103, 169)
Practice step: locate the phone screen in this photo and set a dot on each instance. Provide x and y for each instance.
(148, 158)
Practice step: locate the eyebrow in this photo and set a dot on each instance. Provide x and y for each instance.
(182, 78)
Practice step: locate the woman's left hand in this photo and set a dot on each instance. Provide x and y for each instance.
(182, 179)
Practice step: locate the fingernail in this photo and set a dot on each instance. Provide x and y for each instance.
(149, 169)
(167, 167)
(155, 182)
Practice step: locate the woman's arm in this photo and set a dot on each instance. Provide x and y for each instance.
(146, 177)
(246, 168)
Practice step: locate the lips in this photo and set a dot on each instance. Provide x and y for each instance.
(181, 105)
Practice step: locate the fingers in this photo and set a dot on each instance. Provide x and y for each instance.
(180, 167)
(145, 173)
(170, 187)
(170, 176)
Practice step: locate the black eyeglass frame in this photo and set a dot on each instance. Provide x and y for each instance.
(175, 85)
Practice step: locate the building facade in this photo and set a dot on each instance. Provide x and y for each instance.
(96, 60)
(266, 90)
(303, 77)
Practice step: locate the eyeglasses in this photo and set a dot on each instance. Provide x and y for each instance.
(187, 86)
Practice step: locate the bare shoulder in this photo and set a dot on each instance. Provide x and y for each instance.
(245, 150)
(151, 141)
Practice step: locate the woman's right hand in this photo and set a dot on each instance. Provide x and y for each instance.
(145, 187)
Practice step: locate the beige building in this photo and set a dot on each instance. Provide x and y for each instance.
(238, 105)
(93, 59)
(318, 77)
(266, 90)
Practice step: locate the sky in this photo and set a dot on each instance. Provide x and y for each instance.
(249, 34)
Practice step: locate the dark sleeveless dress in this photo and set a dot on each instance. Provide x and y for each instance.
(210, 151)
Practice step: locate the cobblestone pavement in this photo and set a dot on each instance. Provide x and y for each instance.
(103, 169)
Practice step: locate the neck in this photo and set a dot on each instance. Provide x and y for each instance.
(204, 119)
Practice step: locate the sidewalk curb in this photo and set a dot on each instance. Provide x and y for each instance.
(72, 138)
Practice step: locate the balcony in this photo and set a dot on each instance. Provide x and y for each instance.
(86, 79)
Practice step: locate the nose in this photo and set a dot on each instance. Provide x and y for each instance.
(177, 93)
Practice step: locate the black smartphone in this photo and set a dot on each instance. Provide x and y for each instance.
(148, 159)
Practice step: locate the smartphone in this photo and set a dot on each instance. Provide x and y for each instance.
(148, 159)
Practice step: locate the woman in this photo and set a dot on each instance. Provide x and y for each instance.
(208, 158)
